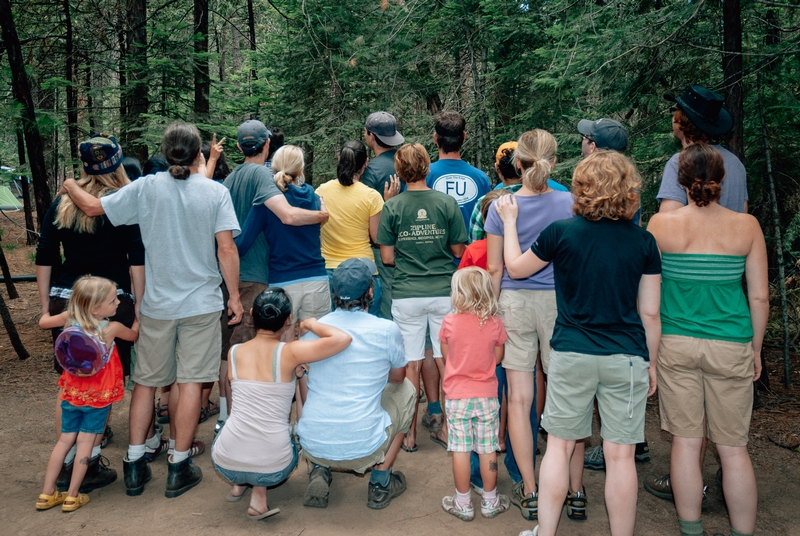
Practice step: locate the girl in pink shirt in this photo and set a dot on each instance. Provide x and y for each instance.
(472, 345)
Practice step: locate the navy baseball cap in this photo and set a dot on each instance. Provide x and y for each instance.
(605, 133)
(352, 278)
(252, 134)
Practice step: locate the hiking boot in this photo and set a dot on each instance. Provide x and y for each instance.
(379, 497)
(319, 483)
(136, 474)
(98, 475)
(108, 434)
(494, 509)
(642, 453)
(64, 477)
(527, 504)
(576, 505)
(662, 488)
(594, 459)
(151, 455)
(451, 506)
(182, 477)
(433, 422)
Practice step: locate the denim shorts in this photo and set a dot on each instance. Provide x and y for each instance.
(260, 479)
(84, 419)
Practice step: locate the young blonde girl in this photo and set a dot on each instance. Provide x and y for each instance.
(472, 340)
(85, 401)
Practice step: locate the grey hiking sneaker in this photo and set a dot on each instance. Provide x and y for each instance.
(594, 459)
(662, 488)
(451, 506)
(527, 504)
(576, 505)
(379, 497)
(319, 482)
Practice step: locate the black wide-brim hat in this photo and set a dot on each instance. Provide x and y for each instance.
(704, 108)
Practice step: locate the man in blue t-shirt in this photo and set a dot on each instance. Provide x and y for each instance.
(451, 175)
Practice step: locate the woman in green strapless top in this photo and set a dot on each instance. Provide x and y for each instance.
(710, 351)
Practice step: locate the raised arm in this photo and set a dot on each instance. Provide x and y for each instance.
(757, 291)
(649, 303)
(85, 201)
(229, 266)
(290, 215)
(331, 341)
(518, 264)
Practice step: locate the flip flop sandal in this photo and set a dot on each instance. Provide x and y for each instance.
(415, 448)
(236, 498)
(435, 438)
(208, 411)
(263, 515)
(77, 502)
(55, 499)
(162, 413)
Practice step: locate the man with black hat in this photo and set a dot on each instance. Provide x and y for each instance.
(700, 118)
(381, 135)
(360, 404)
(602, 134)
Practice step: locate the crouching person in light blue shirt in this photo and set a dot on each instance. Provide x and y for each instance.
(359, 404)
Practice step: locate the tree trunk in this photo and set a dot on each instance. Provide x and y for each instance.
(22, 93)
(251, 25)
(138, 100)
(124, 90)
(12, 290)
(13, 335)
(31, 237)
(89, 99)
(732, 69)
(202, 81)
(69, 75)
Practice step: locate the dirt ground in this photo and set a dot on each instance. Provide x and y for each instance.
(28, 393)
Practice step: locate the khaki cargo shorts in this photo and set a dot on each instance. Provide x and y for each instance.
(529, 317)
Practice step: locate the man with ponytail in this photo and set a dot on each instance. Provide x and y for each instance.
(181, 215)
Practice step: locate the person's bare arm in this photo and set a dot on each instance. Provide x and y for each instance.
(216, 149)
(43, 274)
(746, 207)
(397, 375)
(668, 205)
(52, 322)
(499, 352)
(85, 201)
(757, 291)
(445, 350)
(115, 330)
(494, 260)
(391, 188)
(649, 303)
(290, 215)
(458, 250)
(331, 341)
(229, 266)
(387, 255)
(374, 221)
(137, 287)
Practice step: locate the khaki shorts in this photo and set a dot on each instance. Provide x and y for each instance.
(399, 401)
(708, 378)
(529, 317)
(310, 299)
(619, 382)
(186, 349)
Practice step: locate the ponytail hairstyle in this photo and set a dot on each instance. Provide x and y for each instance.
(288, 164)
(701, 170)
(180, 144)
(271, 308)
(88, 293)
(535, 152)
(351, 160)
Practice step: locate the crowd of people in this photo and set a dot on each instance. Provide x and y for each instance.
(328, 315)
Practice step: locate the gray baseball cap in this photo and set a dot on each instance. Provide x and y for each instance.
(606, 133)
(384, 126)
(352, 278)
(252, 134)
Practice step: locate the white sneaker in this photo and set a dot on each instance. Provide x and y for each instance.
(451, 506)
(534, 532)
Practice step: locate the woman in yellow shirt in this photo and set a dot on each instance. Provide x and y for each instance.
(354, 213)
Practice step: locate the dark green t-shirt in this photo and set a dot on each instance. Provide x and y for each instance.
(422, 225)
(597, 267)
(379, 170)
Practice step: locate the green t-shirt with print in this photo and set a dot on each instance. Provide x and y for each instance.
(422, 225)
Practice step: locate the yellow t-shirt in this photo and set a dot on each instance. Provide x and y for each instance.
(346, 233)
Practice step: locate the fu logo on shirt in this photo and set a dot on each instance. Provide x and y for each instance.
(422, 214)
(461, 187)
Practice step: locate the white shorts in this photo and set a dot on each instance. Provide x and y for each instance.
(413, 316)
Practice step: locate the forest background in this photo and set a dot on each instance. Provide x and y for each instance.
(317, 68)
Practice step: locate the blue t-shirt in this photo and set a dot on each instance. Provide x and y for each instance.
(465, 183)
(343, 418)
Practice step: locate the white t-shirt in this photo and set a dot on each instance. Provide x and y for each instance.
(178, 220)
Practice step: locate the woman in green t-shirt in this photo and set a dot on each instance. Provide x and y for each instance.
(420, 232)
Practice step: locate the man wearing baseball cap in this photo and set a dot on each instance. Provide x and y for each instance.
(602, 134)
(700, 117)
(360, 404)
(381, 135)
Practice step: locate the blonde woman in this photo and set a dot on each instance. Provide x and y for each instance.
(528, 334)
(603, 346)
(295, 261)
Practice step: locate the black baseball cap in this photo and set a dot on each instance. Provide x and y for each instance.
(605, 133)
(384, 126)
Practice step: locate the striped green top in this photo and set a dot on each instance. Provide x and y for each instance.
(702, 297)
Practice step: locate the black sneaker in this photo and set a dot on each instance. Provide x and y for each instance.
(379, 497)
(642, 453)
(64, 477)
(136, 475)
(98, 475)
(319, 483)
(181, 477)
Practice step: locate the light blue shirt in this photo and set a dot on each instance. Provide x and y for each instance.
(342, 417)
